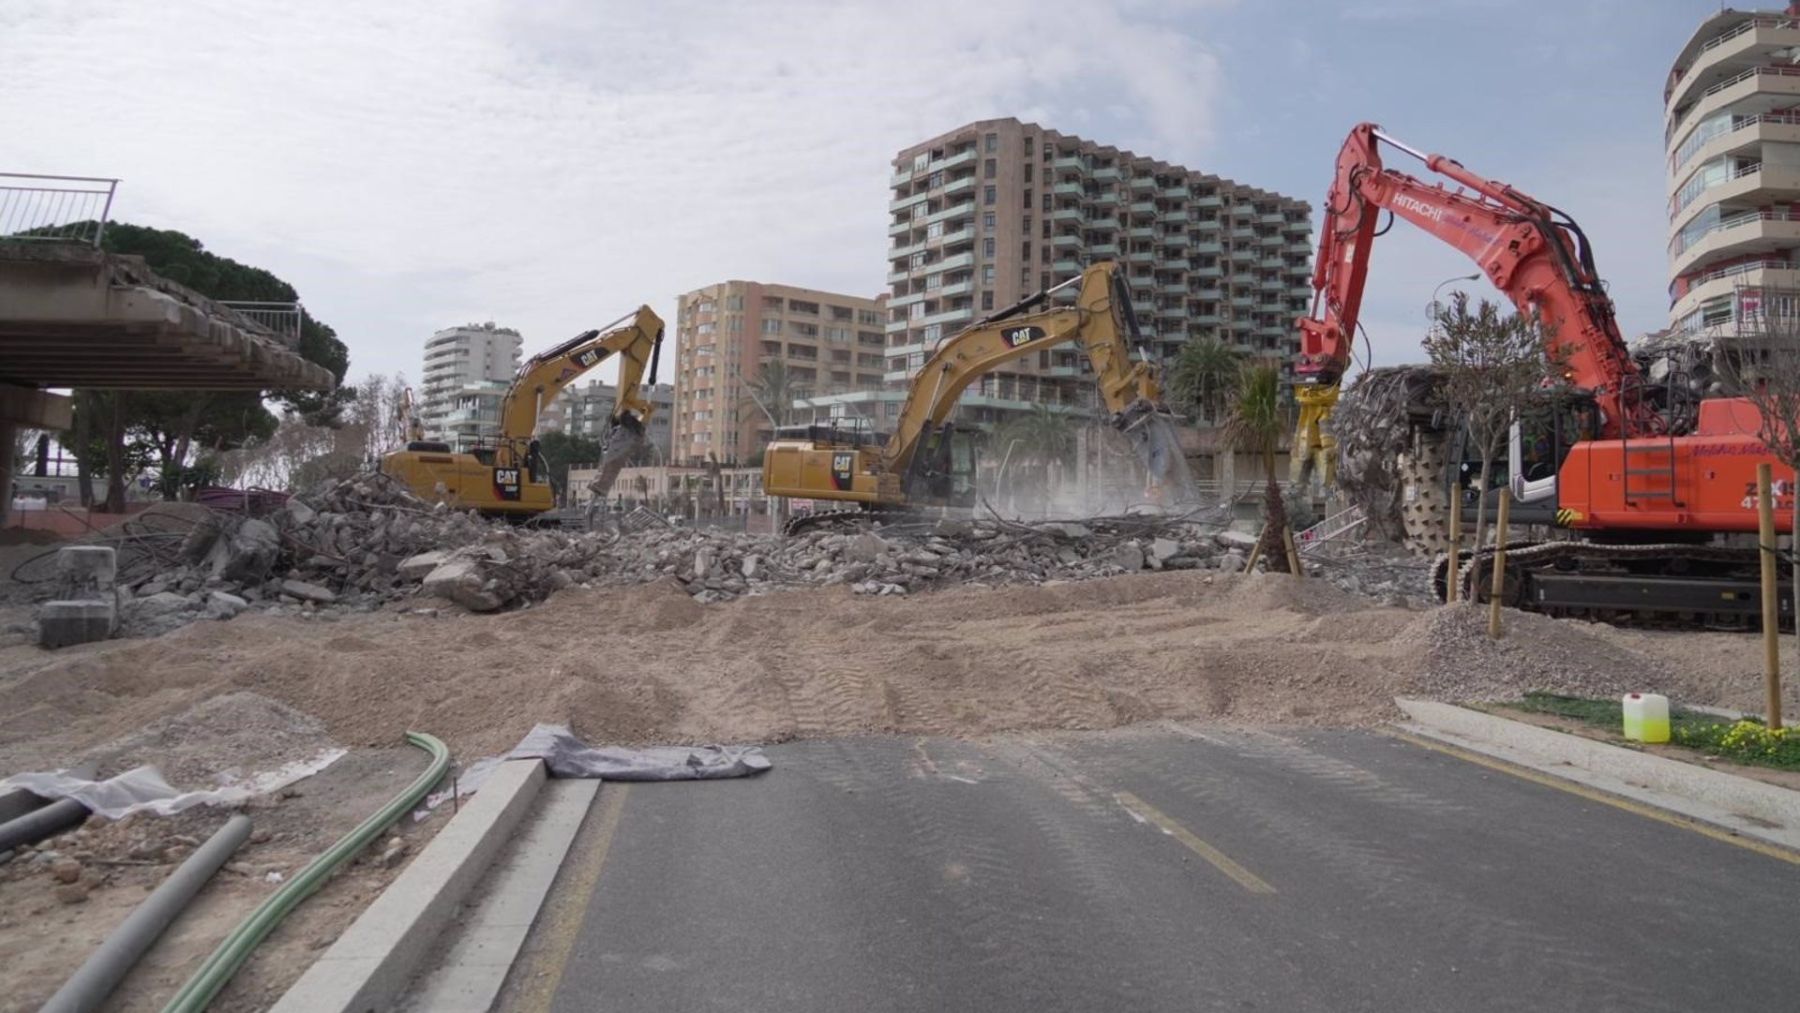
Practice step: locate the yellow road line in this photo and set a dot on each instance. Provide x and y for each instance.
(1219, 860)
(567, 909)
(1761, 847)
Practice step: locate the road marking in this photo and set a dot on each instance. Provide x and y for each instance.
(1220, 861)
(1774, 851)
(568, 909)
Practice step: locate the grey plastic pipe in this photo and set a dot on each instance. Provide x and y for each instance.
(18, 802)
(89, 986)
(38, 824)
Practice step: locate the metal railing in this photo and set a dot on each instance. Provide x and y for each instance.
(1701, 134)
(1736, 79)
(1684, 242)
(280, 318)
(1762, 264)
(57, 209)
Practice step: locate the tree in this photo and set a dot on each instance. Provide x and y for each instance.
(773, 392)
(1494, 367)
(1254, 423)
(1037, 439)
(1761, 364)
(562, 450)
(1203, 376)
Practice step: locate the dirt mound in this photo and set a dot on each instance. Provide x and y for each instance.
(1458, 661)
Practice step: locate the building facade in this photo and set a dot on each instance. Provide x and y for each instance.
(996, 210)
(1732, 140)
(586, 411)
(461, 365)
(825, 343)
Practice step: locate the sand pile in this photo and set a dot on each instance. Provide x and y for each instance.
(650, 664)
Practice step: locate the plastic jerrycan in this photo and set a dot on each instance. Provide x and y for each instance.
(1647, 717)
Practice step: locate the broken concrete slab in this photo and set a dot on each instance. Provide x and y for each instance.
(416, 567)
(62, 623)
(308, 592)
(465, 582)
(1129, 557)
(248, 554)
(87, 570)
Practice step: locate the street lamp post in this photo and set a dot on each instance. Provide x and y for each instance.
(1431, 308)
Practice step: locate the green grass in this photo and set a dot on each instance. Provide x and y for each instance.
(1745, 741)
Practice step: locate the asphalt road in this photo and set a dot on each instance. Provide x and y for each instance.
(1186, 869)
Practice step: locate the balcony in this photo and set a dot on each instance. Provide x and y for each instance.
(1212, 271)
(1211, 200)
(1178, 192)
(1211, 293)
(901, 178)
(1067, 241)
(1272, 217)
(1733, 134)
(954, 211)
(1780, 85)
(959, 237)
(1067, 163)
(1175, 264)
(1108, 198)
(1243, 255)
(1107, 224)
(1141, 257)
(1176, 218)
(954, 289)
(902, 252)
(1141, 232)
(1067, 215)
(959, 315)
(1106, 174)
(900, 228)
(1272, 239)
(898, 276)
(1068, 190)
(1750, 39)
(963, 157)
(1177, 239)
(1243, 302)
(1143, 207)
(901, 203)
(1772, 272)
(1103, 251)
(897, 326)
(1273, 263)
(1144, 183)
(1750, 232)
(1207, 319)
(1243, 232)
(1275, 284)
(958, 186)
(1210, 246)
(955, 260)
(900, 301)
(1174, 288)
(1066, 267)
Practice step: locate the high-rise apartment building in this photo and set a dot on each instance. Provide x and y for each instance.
(996, 210)
(462, 365)
(826, 343)
(1732, 136)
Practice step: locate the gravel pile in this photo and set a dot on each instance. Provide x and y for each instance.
(1458, 661)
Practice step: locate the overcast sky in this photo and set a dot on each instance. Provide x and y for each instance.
(550, 165)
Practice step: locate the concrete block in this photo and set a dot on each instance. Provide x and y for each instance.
(87, 568)
(308, 592)
(370, 965)
(416, 567)
(61, 623)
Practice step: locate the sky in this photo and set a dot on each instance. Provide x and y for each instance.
(551, 164)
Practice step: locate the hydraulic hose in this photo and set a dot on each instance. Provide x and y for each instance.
(236, 948)
(89, 986)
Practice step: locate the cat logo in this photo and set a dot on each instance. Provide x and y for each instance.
(842, 466)
(506, 483)
(587, 358)
(1567, 518)
(1016, 336)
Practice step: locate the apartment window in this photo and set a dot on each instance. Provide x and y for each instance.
(992, 141)
(1046, 233)
(1028, 147)
(932, 332)
(987, 220)
(1028, 200)
(916, 310)
(772, 302)
(935, 230)
(734, 302)
(805, 330)
(917, 261)
(771, 326)
(868, 317)
(987, 300)
(990, 168)
(841, 313)
(1043, 254)
(936, 180)
(1028, 168)
(869, 337)
(801, 306)
(989, 195)
(987, 274)
(933, 282)
(1046, 203)
(987, 247)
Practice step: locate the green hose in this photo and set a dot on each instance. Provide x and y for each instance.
(236, 948)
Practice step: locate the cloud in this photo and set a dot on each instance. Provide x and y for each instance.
(413, 165)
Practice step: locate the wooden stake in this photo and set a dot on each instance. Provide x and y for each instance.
(1771, 594)
(1455, 542)
(1293, 554)
(1255, 551)
(1499, 563)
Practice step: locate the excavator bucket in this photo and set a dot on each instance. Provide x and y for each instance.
(1150, 429)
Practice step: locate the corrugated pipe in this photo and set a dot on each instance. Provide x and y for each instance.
(237, 947)
(89, 986)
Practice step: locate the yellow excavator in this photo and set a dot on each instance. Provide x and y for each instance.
(927, 462)
(510, 478)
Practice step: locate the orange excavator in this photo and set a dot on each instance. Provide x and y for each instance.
(1656, 483)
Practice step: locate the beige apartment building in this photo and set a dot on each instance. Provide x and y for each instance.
(829, 343)
(1732, 142)
(996, 210)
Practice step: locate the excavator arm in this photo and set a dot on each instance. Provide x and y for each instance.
(545, 375)
(1532, 252)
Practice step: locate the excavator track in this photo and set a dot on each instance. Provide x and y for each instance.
(844, 520)
(1667, 586)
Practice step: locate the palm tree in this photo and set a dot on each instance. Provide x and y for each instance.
(773, 391)
(1254, 423)
(1040, 436)
(1203, 376)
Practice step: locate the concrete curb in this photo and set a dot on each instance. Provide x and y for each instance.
(372, 962)
(1738, 804)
